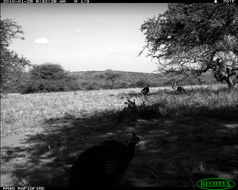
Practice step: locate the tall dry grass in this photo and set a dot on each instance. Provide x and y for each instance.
(25, 113)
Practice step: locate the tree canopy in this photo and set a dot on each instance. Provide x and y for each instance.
(49, 77)
(109, 76)
(189, 38)
(48, 71)
(11, 64)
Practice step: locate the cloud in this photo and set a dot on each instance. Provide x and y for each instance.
(78, 31)
(41, 41)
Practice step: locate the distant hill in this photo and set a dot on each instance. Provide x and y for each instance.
(88, 80)
(93, 80)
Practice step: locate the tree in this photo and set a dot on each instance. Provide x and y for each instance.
(49, 77)
(190, 39)
(12, 65)
(110, 76)
(48, 71)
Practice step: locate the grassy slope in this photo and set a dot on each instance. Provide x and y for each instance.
(89, 80)
(185, 137)
(129, 79)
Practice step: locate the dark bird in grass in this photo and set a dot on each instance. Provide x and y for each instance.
(103, 165)
(145, 90)
(177, 88)
(180, 89)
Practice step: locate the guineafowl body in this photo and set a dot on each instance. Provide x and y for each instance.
(103, 165)
(177, 88)
(180, 89)
(145, 90)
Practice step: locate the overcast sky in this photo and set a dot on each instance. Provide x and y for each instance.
(84, 37)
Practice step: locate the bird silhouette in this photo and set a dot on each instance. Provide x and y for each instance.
(103, 165)
(145, 90)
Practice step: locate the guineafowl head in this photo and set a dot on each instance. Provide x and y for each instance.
(134, 139)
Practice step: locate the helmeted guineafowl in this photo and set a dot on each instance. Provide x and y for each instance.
(103, 165)
(177, 88)
(180, 89)
(145, 90)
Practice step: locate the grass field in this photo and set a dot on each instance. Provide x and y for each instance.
(184, 137)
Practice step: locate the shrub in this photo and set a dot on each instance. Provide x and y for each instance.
(49, 78)
(91, 86)
(121, 85)
(49, 86)
(141, 83)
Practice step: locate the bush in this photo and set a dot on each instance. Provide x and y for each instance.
(48, 71)
(90, 86)
(49, 86)
(41, 86)
(49, 78)
(121, 85)
(141, 83)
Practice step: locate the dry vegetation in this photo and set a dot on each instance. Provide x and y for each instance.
(185, 137)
